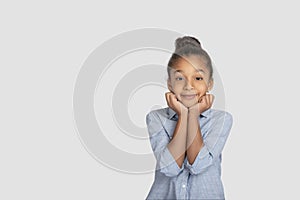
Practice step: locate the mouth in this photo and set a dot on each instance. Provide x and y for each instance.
(188, 96)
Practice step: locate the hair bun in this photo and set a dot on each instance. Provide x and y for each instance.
(187, 41)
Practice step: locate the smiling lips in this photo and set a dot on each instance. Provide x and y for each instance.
(188, 96)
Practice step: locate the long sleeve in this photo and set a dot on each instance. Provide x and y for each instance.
(217, 132)
(159, 139)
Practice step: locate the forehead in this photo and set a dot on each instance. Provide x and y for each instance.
(190, 65)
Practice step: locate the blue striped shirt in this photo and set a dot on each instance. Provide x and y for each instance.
(200, 180)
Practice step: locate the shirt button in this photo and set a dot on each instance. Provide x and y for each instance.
(183, 186)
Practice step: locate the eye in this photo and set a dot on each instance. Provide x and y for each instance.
(199, 78)
(178, 78)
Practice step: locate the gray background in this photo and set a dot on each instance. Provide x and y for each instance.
(254, 45)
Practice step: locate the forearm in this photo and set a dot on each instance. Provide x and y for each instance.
(177, 145)
(194, 137)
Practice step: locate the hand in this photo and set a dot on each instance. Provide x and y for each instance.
(204, 103)
(176, 105)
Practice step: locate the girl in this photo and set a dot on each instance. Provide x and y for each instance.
(188, 136)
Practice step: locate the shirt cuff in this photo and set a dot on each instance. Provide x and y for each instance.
(203, 160)
(168, 165)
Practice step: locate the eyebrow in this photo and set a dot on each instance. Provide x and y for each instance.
(196, 70)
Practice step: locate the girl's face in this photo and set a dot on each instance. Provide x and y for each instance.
(189, 80)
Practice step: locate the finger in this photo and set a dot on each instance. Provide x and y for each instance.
(200, 99)
(205, 98)
(167, 95)
(208, 97)
(173, 97)
(212, 98)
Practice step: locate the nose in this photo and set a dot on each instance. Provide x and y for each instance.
(188, 85)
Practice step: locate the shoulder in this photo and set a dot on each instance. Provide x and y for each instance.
(221, 115)
(158, 113)
(220, 122)
(156, 120)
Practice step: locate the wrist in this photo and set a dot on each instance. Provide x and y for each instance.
(183, 113)
(194, 112)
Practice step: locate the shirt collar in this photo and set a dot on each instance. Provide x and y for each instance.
(172, 113)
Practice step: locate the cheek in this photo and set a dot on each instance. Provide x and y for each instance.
(177, 86)
(202, 89)
(177, 89)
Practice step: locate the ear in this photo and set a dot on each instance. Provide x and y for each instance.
(170, 85)
(210, 84)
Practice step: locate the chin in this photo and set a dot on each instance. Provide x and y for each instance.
(189, 103)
